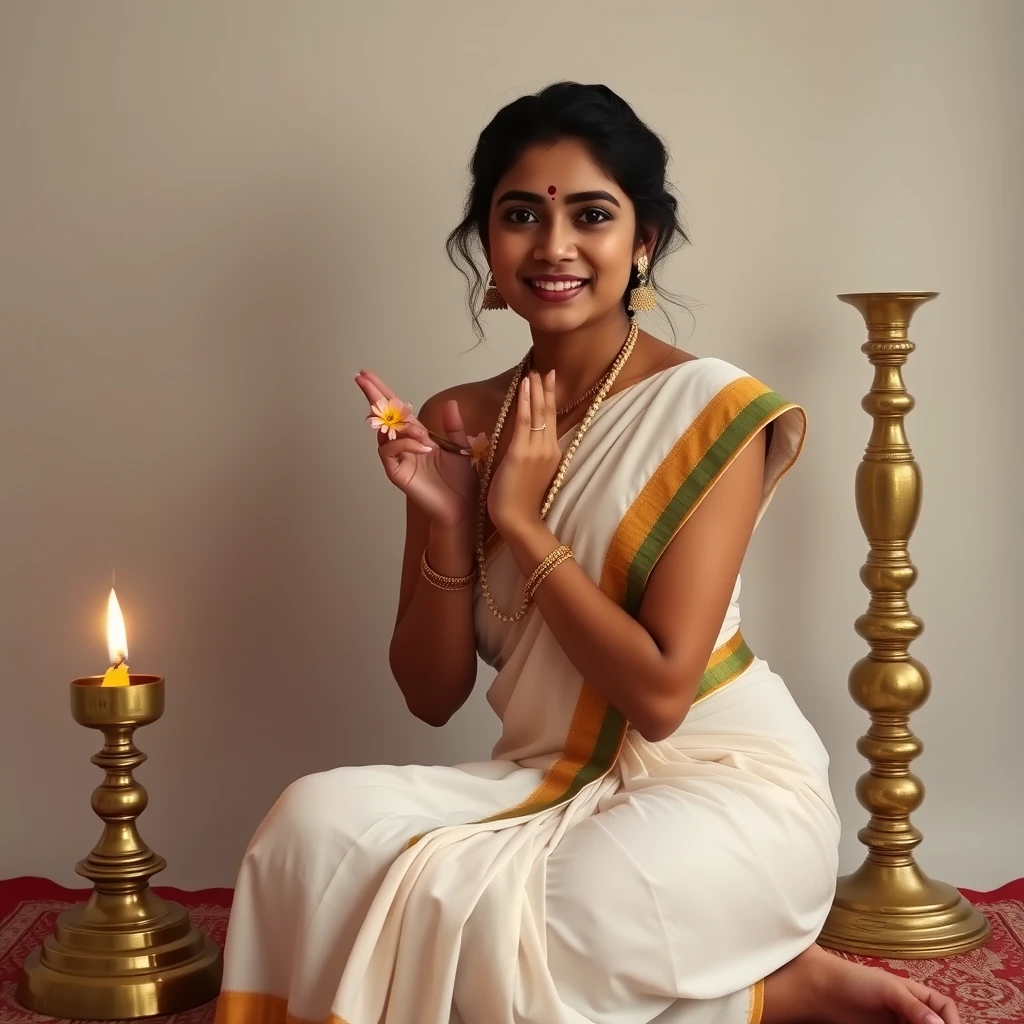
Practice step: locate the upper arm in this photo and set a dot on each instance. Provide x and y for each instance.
(688, 592)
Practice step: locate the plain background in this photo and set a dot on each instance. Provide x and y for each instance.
(213, 214)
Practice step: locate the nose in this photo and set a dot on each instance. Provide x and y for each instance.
(555, 243)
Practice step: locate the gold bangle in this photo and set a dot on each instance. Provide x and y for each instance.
(541, 573)
(542, 568)
(452, 583)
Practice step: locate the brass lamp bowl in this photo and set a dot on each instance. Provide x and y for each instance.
(98, 706)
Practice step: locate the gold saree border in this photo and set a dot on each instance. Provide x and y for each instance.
(722, 429)
(727, 662)
(756, 1009)
(260, 1008)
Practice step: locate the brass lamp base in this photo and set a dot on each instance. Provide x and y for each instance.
(94, 971)
(900, 912)
(125, 952)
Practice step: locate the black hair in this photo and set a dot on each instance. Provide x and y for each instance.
(626, 148)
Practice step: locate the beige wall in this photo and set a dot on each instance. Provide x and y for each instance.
(213, 214)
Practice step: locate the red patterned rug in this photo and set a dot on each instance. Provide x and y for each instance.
(987, 984)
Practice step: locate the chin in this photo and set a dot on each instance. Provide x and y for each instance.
(557, 323)
(557, 319)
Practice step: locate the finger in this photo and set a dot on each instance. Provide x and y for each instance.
(403, 446)
(537, 401)
(415, 431)
(906, 1005)
(941, 1005)
(520, 417)
(413, 428)
(551, 406)
(376, 382)
(523, 403)
(451, 420)
(370, 391)
(910, 1008)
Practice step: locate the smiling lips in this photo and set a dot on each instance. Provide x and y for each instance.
(553, 288)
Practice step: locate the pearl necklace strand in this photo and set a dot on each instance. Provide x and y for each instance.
(605, 385)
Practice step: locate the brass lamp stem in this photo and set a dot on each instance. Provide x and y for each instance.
(120, 864)
(889, 907)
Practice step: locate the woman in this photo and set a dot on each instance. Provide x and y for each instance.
(654, 838)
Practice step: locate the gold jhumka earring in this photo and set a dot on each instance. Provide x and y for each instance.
(643, 298)
(493, 299)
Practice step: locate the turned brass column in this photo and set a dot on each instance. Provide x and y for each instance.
(888, 906)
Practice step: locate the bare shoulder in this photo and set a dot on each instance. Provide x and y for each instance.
(479, 402)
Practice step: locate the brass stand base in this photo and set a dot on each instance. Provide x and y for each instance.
(900, 912)
(90, 969)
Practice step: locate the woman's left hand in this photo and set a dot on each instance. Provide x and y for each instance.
(521, 481)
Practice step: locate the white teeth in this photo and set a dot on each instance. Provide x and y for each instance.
(557, 286)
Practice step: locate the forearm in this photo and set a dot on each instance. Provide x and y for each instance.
(612, 650)
(433, 649)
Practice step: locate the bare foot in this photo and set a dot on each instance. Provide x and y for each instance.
(826, 989)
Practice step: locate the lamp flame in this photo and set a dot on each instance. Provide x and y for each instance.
(117, 640)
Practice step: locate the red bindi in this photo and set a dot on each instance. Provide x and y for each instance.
(552, 190)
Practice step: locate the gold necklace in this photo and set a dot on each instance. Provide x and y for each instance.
(589, 393)
(485, 481)
(564, 410)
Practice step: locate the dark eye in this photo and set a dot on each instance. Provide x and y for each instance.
(594, 215)
(520, 215)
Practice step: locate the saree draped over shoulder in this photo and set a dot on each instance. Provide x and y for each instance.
(583, 875)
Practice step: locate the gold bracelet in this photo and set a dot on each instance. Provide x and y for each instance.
(542, 568)
(445, 582)
(541, 573)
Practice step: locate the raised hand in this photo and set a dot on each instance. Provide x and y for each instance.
(443, 485)
(521, 481)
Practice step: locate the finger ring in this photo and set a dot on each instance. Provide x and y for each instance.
(543, 426)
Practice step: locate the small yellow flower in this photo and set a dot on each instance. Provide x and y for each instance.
(389, 417)
(479, 448)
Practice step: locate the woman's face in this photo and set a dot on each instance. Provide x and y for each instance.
(561, 238)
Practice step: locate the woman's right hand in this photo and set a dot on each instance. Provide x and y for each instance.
(443, 485)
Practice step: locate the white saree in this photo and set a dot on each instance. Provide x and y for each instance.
(583, 875)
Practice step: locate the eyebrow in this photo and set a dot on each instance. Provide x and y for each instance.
(573, 197)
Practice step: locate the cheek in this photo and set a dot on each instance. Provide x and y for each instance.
(505, 247)
(611, 255)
